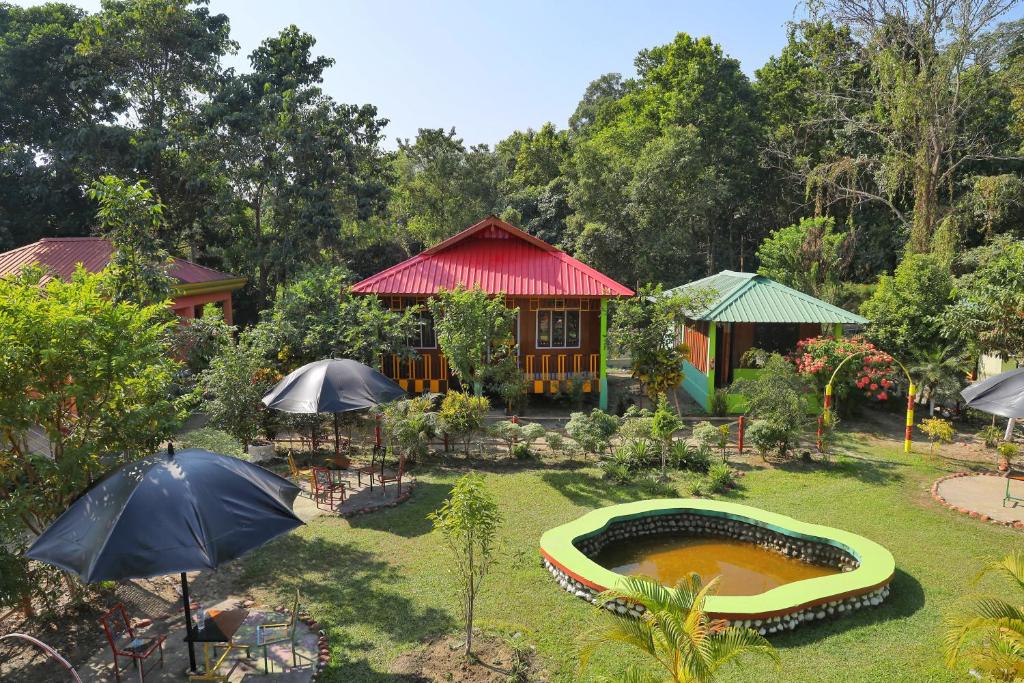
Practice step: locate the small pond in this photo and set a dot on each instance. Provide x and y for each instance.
(743, 568)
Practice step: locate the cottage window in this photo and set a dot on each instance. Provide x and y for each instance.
(423, 336)
(558, 329)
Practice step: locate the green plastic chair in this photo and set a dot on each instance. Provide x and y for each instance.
(274, 634)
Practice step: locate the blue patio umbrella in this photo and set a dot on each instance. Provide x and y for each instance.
(169, 513)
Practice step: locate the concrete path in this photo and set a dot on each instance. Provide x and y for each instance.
(99, 668)
(358, 497)
(984, 494)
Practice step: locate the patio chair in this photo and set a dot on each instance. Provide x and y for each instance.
(123, 642)
(385, 478)
(1013, 475)
(325, 489)
(294, 471)
(371, 469)
(273, 634)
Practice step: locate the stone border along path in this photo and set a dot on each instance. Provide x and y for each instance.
(947, 485)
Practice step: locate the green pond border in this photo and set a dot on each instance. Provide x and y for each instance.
(872, 576)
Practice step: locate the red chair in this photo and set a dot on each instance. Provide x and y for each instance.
(371, 469)
(386, 478)
(124, 643)
(325, 488)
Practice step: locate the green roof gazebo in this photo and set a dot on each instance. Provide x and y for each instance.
(747, 311)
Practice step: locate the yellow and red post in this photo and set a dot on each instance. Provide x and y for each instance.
(910, 418)
(823, 420)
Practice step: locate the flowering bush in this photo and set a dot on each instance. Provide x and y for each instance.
(873, 374)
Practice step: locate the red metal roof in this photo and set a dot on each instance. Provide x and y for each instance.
(498, 257)
(61, 255)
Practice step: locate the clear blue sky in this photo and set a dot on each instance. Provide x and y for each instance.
(492, 67)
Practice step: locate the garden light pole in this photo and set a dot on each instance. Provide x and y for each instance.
(911, 390)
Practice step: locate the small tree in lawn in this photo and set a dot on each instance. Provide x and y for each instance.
(473, 332)
(469, 520)
(234, 385)
(645, 328)
(666, 424)
(938, 431)
(593, 431)
(462, 416)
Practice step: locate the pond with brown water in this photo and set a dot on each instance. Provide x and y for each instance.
(744, 568)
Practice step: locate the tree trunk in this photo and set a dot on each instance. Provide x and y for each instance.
(926, 201)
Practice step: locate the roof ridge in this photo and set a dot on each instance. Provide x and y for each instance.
(79, 238)
(730, 298)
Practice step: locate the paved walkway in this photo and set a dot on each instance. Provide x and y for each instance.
(983, 494)
(99, 668)
(359, 497)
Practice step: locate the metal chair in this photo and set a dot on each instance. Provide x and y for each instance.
(123, 642)
(272, 634)
(325, 489)
(385, 478)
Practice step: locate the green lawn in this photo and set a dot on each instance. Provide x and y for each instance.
(378, 584)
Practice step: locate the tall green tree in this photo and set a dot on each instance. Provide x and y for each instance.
(905, 309)
(809, 256)
(441, 187)
(130, 217)
(474, 330)
(929, 103)
(534, 190)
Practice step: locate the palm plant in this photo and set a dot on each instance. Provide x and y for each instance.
(674, 631)
(941, 373)
(989, 633)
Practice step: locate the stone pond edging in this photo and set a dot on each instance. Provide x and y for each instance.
(974, 514)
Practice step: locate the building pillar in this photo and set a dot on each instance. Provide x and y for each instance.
(603, 369)
(712, 335)
(837, 331)
(228, 316)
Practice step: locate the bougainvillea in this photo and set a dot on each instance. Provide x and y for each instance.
(873, 374)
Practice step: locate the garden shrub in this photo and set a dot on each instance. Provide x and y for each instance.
(462, 416)
(991, 435)
(778, 396)
(722, 440)
(215, 440)
(871, 376)
(617, 468)
(706, 436)
(593, 431)
(410, 425)
(719, 478)
(1008, 452)
(683, 456)
(718, 403)
(555, 441)
(521, 451)
(938, 431)
(516, 435)
(664, 426)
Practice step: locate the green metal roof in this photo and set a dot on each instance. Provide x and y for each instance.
(753, 298)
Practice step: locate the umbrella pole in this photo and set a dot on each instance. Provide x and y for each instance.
(337, 447)
(188, 623)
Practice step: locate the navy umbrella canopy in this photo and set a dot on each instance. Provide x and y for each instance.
(1001, 395)
(169, 513)
(332, 386)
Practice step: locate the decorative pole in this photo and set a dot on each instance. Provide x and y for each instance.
(603, 380)
(910, 418)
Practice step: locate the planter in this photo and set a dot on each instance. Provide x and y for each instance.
(261, 452)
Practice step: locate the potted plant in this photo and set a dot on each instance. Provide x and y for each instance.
(1007, 452)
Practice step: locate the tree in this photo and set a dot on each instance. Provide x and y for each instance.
(592, 431)
(234, 385)
(988, 305)
(674, 632)
(468, 520)
(410, 424)
(533, 189)
(89, 377)
(926, 104)
(474, 332)
(809, 256)
(988, 631)
(130, 217)
(315, 317)
(664, 426)
(941, 374)
(905, 310)
(441, 187)
(645, 327)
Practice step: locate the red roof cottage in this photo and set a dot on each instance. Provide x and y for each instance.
(195, 286)
(563, 305)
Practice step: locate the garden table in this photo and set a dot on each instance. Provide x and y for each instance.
(217, 631)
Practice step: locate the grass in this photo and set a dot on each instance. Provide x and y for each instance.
(379, 583)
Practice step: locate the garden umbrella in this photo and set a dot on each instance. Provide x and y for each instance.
(169, 513)
(332, 386)
(1002, 395)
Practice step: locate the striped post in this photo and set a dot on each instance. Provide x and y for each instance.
(823, 421)
(910, 418)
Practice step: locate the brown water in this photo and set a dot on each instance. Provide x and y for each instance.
(744, 568)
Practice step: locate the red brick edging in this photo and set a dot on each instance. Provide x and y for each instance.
(971, 513)
(406, 493)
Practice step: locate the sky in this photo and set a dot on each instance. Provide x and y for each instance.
(489, 68)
